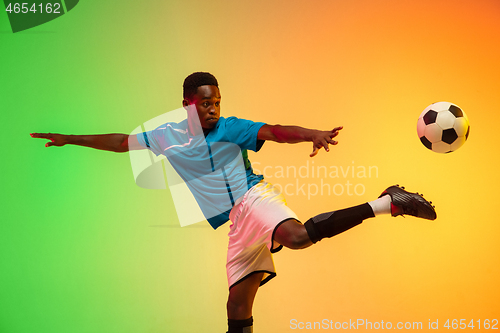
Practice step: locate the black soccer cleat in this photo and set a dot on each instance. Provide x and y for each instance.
(410, 203)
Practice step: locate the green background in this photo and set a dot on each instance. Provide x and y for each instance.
(80, 250)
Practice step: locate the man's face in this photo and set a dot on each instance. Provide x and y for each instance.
(207, 102)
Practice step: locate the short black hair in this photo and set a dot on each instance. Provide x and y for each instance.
(195, 80)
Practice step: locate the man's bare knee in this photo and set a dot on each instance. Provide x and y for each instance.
(293, 235)
(238, 310)
(299, 241)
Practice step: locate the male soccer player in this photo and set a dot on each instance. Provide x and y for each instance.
(261, 221)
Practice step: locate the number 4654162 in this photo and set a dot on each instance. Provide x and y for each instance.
(24, 8)
(462, 324)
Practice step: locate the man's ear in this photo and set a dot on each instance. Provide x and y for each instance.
(185, 102)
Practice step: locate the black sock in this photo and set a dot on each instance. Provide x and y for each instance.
(240, 326)
(333, 223)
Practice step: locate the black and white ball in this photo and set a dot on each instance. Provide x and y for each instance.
(443, 127)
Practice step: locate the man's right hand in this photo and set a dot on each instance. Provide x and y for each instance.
(57, 140)
(116, 142)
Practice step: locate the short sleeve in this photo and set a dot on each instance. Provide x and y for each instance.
(151, 140)
(244, 133)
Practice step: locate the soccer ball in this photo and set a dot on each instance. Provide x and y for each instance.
(443, 127)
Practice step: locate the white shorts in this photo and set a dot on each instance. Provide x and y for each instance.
(254, 220)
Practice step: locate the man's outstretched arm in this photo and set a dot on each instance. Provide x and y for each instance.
(118, 143)
(296, 134)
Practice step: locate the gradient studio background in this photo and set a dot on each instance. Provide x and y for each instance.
(83, 249)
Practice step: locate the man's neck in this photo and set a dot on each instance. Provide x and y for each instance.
(206, 131)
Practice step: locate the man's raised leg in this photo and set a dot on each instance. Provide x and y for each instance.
(295, 235)
(394, 200)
